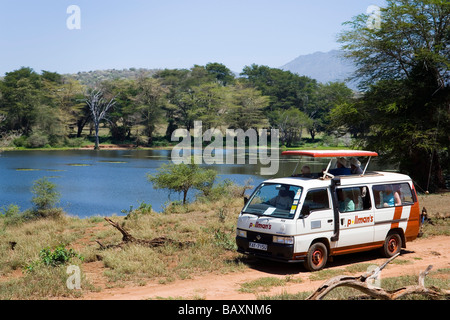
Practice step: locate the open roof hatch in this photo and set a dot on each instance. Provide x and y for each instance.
(330, 154)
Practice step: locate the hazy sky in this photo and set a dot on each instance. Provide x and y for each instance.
(167, 34)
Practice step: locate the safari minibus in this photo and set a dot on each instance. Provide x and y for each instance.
(309, 219)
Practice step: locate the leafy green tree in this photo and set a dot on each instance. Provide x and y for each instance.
(222, 74)
(45, 194)
(182, 178)
(150, 101)
(246, 108)
(291, 123)
(324, 100)
(404, 68)
(284, 88)
(21, 94)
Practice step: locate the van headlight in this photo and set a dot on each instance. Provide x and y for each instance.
(241, 233)
(283, 240)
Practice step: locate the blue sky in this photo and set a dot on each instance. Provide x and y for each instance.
(168, 34)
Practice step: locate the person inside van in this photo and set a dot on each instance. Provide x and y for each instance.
(346, 204)
(391, 198)
(342, 168)
(282, 200)
(355, 166)
(306, 172)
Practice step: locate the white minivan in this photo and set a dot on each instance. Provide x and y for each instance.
(308, 219)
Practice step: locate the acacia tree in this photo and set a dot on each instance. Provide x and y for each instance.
(182, 178)
(404, 68)
(99, 107)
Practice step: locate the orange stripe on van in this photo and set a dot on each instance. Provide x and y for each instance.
(397, 216)
(413, 226)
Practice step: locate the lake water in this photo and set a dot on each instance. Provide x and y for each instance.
(107, 181)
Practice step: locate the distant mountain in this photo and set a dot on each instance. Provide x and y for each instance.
(323, 66)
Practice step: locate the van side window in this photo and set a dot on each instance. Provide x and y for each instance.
(354, 199)
(317, 199)
(390, 195)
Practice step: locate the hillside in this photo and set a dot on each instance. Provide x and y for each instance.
(91, 78)
(323, 66)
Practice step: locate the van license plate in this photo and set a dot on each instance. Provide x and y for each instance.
(258, 246)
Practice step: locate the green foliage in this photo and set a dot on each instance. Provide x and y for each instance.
(11, 211)
(183, 177)
(52, 258)
(224, 240)
(49, 109)
(404, 68)
(37, 140)
(45, 194)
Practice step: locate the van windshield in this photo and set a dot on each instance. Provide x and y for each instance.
(274, 200)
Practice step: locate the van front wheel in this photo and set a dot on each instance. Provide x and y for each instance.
(316, 257)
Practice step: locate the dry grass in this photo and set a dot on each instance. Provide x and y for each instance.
(437, 205)
(210, 225)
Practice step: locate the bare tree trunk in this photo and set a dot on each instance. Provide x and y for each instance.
(99, 107)
(128, 238)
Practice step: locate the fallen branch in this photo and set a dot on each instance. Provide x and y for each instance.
(128, 238)
(362, 284)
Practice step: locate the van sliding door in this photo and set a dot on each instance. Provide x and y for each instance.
(356, 217)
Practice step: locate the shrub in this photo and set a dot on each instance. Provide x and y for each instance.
(59, 256)
(37, 140)
(11, 214)
(45, 194)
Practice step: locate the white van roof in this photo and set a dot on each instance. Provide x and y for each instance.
(369, 178)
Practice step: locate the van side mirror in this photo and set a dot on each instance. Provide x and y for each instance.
(245, 200)
(305, 210)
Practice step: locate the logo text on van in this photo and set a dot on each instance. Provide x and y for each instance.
(359, 220)
(260, 225)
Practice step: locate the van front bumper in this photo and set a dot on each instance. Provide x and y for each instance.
(275, 251)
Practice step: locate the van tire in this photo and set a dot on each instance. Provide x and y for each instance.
(392, 245)
(317, 257)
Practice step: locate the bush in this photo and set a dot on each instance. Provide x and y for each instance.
(45, 194)
(11, 211)
(75, 142)
(37, 140)
(59, 256)
(11, 214)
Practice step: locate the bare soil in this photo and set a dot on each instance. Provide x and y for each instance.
(418, 255)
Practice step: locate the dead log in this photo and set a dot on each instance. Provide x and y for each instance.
(363, 284)
(128, 238)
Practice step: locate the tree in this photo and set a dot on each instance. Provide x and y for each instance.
(21, 94)
(183, 177)
(290, 123)
(327, 97)
(99, 107)
(404, 67)
(285, 88)
(150, 100)
(222, 74)
(45, 194)
(246, 108)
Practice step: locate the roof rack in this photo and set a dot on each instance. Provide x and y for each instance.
(330, 154)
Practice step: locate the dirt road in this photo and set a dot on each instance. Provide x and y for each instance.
(418, 255)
